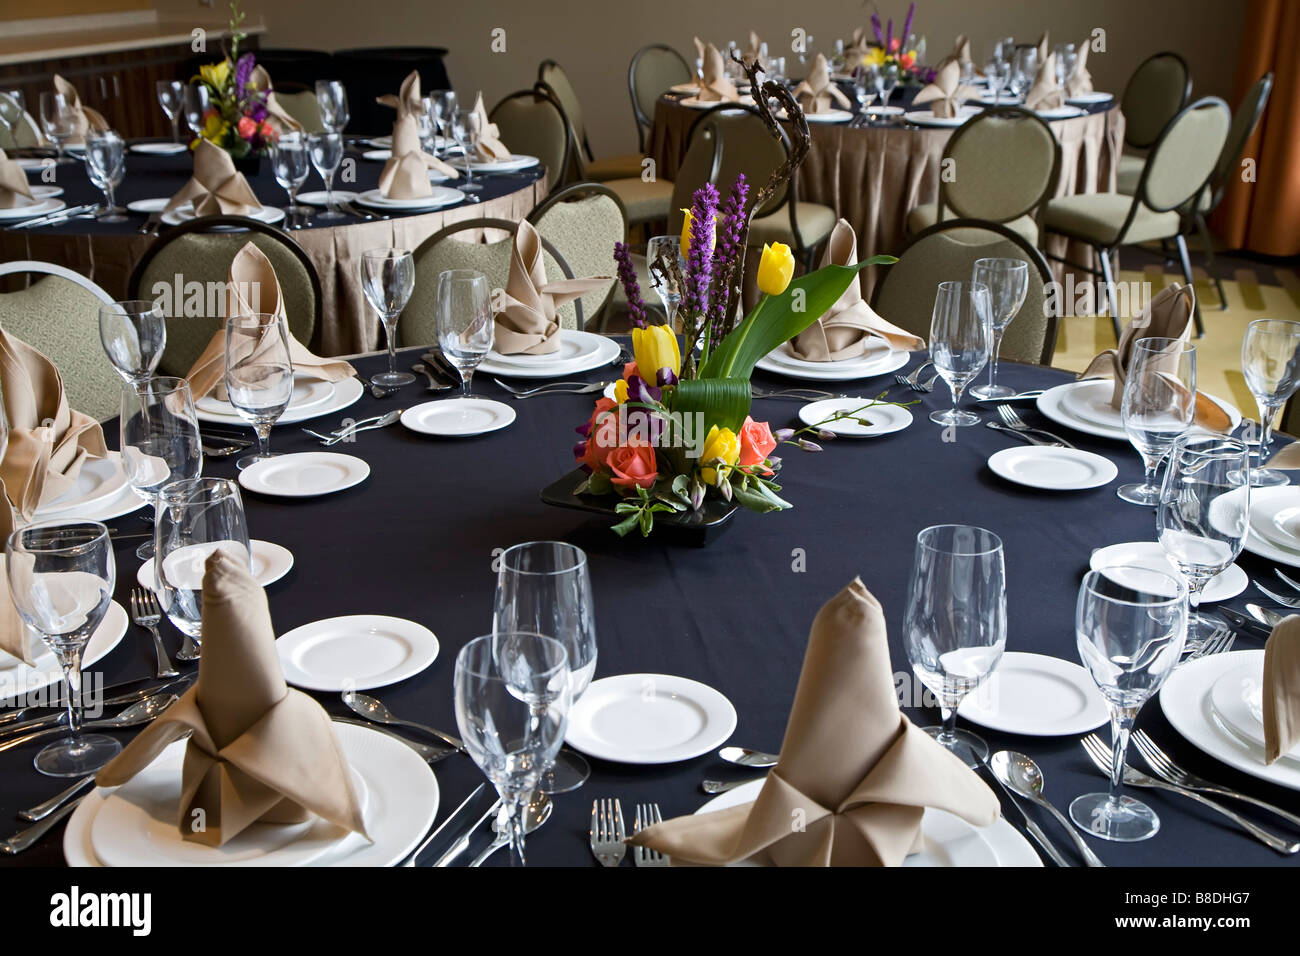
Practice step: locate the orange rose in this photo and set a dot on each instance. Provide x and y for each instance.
(246, 127)
(906, 60)
(756, 443)
(632, 464)
(602, 442)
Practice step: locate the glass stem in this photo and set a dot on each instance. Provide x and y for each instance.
(993, 360)
(329, 192)
(948, 714)
(466, 376)
(70, 661)
(390, 327)
(1121, 725)
(1266, 431)
(513, 803)
(263, 430)
(108, 195)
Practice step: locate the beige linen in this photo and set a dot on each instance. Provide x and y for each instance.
(1282, 689)
(216, 186)
(817, 93)
(14, 188)
(527, 322)
(947, 93)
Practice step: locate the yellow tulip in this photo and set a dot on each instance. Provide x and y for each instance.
(775, 269)
(216, 74)
(686, 232)
(654, 348)
(620, 391)
(723, 444)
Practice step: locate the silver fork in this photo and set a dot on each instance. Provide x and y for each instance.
(146, 613)
(25, 838)
(1100, 754)
(1289, 581)
(607, 833)
(1013, 420)
(646, 815)
(1217, 643)
(799, 394)
(554, 388)
(913, 378)
(1284, 601)
(1165, 767)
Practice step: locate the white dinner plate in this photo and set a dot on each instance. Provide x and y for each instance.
(515, 163)
(1276, 518)
(33, 162)
(1263, 498)
(575, 347)
(305, 474)
(45, 192)
(830, 116)
(159, 149)
(318, 197)
(879, 419)
(948, 839)
(266, 214)
(149, 206)
(695, 103)
(596, 350)
(458, 417)
(649, 719)
(347, 391)
(441, 196)
(1149, 554)
(99, 480)
(1090, 99)
(879, 359)
(1055, 404)
(439, 142)
(1238, 700)
(307, 394)
(271, 562)
(355, 652)
(378, 155)
(1061, 112)
(122, 503)
(401, 795)
(1052, 469)
(17, 678)
(1186, 699)
(885, 110)
(29, 210)
(927, 117)
(1036, 696)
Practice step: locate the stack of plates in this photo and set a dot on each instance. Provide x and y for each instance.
(311, 398)
(30, 210)
(1090, 99)
(578, 352)
(441, 196)
(828, 116)
(1085, 406)
(100, 493)
(267, 214)
(1275, 524)
(1061, 112)
(878, 359)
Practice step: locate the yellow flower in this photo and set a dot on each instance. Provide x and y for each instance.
(874, 57)
(775, 268)
(216, 74)
(686, 232)
(654, 348)
(620, 391)
(214, 127)
(723, 444)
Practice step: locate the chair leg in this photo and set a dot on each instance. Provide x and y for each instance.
(1108, 277)
(1204, 230)
(1187, 275)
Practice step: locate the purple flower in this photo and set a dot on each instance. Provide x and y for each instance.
(638, 390)
(699, 261)
(243, 70)
(631, 288)
(875, 28)
(889, 36)
(666, 377)
(727, 251)
(783, 434)
(907, 24)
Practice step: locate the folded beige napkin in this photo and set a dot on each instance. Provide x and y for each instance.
(699, 53)
(89, 119)
(1288, 458)
(14, 188)
(527, 322)
(946, 94)
(1080, 80)
(490, 147)
(1043, 47)
(408, 98)
(960, 54)
(714, 85)
(856, 48)
(854, 773)
(406, 174)
(216, 186)
(1282, 689)
(817, 93)
(14, 635)
(253, 287)
(258, 751)
(276, 114)
(1046, 93)
(755, 48)
(843, 332)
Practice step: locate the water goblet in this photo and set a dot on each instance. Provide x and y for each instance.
(1008, 284)
(388, 278)
(960, 343)
(1159, 404)
(466, 328)
(259, 375)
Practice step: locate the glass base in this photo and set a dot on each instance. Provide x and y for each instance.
(992, 391)
(77, 756)
(392, 379)
(253, 459)
(470, 187)
(569, 772)
(1125, 821)
(331, 214)
(1268, 478)
(1139, 493)
(190, 649)
(969, 748)
(145, 551)
(116, 214)
(953, 416)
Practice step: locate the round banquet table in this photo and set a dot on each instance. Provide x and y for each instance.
(417, 539)
(875, 174)
(107, 252)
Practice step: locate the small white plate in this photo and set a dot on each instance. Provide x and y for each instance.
(513, 164)
(543, 366)
(877, 360)
(1238, 700)
(159, 149)
(17, 678)
(1276, 519)
(378, 155)
(307, 394)
(1261, 498)
(306, 474)
(881, 419)
(149, 206)
(442, 196)
(38, 207)
(1149, 554)
(649, 719)
(347, 392)
(98, 481)
(1061, 112)
(927, 117)
(267, 214)
(45, 192)
(885, 110)
(1052, 469)
(356, 652)
(122, 503)
(1090, 99)
(271, 562)
(1036, 696)
(318, 198)
(1056, 404)
(830, 116)
(458, 417)
(30, 163)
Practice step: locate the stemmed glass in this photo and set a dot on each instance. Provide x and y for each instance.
(1065, 60)
(442, 107)
(998, 73)
(160, 439)
(61, 576)
(171, 97)
(1159, 404)
(1203, 514)
(864, 91)
(1130, 624)
(955, 624)
(512, 706)
(959, 342)
(106, 166)
(669, 248)
(332, 98)
(291, 164)
(544, 587)
(195, 102)
(1008, 284)
(388, 278)
(259, 375)
(1270, 361)
(1023, 70)
(465, 130)
(12, 107)
(886, 79)
(134, 334)
(466, 328)
(59, 121)
(326, 154)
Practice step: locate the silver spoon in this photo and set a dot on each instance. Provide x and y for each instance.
(373, 709)
(536, 812)
(748, 758)
(136, 714)
(1022, 775)
(434, 385)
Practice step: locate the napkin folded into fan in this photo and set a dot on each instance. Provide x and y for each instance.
(1282, 689)
(1046, 93)
(816, 92)
(87, 118)
(946, 94)
(253, 287)
(843, 332)
(258, 751)
(1167, 315)
(216, 186)
(1080, 80)
(714, 85)
(406, 174)
(853, 769)
(960, 54)
(490, 148)
(14, 187)
(526, 322)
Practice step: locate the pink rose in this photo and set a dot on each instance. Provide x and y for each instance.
(756, 443)
(633, 464)
(246, 127)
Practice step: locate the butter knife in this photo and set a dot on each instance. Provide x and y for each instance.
(1243, 624)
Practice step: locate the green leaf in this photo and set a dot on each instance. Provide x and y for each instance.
(626, 507)
(722, 401)
(626, 525)
(647, 522)
(753, 500)
(764, 490)
(681, 487)
(599, 484)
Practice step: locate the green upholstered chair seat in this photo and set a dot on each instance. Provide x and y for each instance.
(644, 201)
(1129, 172)
(924, 216)
(815, 224)
(1098, 217)
(614, 167)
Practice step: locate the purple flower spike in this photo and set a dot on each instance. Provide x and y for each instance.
(889, 35)
(666, 377)
(580, 451)
(699, 261)
(632, 289)
(728, 251)
(907, 24)
(243, 70)
(875, 27)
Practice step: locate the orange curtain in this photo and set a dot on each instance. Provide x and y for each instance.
(1263, 215)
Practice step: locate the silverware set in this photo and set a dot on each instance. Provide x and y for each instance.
(66, 214)
(553, 388)
(1291, 601)
(913, 381)
(607, 835)
(347, 432)
(1013, 424)
(146, 613)
(376, 712)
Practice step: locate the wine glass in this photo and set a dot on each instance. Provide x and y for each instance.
(886, 80)
(998, 73)
(13, 106)
(59, 121)
(1065, 60)
(466, 328)
(1203, 514)
(106, 166)
(1005, 49)
(387, 278)
(134, 334)
(1270, 361)
(171, 97)
(465, 130)
(1130, 624)
(160, 440)
(959, 342)
(1008, 284)
(332, 98)
(543, 587)
(326, 154)
(195, 103)
(512, 706)
(669, 292)
(196, 517)
(1023, 70)
(259, 375)
(955, 624)
(1159, 404)
(443, 104)
(291, 164)
(864, 91)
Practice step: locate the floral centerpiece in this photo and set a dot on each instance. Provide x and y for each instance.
(903, 51)
(678, 429)
(236, 119)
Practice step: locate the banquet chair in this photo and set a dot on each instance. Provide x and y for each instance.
(300, 102)
(555, 80)
(418, 324)
(947, 251)
(654, 69)
(58, 314)
(200, 251)
(1178, 168)
(532, 122)
(26, 134)
(1005, 162)
(583, 221)
(1158, 89)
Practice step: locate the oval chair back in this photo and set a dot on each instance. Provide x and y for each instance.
(582, 222)
(1156, 91)
(532, 123)
(654, 69)
(1005, 163)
